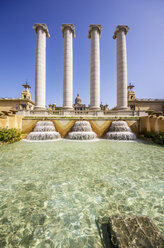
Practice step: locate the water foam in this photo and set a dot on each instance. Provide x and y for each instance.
(44, 130)
(82, 130)
(119, 130)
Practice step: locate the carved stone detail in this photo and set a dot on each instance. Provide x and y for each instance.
(43, 27)
(94, 26)
(119, 28)
(69, 26)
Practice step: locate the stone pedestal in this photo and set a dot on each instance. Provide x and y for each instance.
(40, 66)
(94, 35)
(68, 31)
(120, 34)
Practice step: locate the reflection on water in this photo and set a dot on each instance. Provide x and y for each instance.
(51, 193)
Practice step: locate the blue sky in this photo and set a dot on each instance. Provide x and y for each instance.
(145, 46)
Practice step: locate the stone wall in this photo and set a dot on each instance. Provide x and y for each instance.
(63, 126)
(147, 105)
(152, 124)
(134, 125)
(99, 126)
(28, 125)
(12, 121)
(16, 104)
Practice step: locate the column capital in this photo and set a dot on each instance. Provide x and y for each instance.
(69, 26)
(119, 28)
(43, 27)
(94, 26)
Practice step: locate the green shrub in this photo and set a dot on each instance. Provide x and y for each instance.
(157, 138)
(9, 135)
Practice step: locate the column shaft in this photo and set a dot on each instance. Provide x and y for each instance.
(121, 71)
(40, 70)
(120, 34)
(40, 65)
(95, 70)
(68, 70)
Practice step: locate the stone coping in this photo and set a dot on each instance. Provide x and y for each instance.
(78, 118)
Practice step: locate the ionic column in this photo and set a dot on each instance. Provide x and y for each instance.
(94, 34)
(40, 66)
(68, 31)
(120, 34)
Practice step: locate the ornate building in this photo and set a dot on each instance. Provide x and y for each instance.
(78, 106)
(16, 104)
(149, 105)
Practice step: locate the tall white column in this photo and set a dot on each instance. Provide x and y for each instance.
(120, 34)
(68, 31)
(40, 66)
(94, 34)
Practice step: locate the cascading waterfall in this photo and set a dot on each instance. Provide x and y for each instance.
(44, 130)
(119, 130)
(82, 131)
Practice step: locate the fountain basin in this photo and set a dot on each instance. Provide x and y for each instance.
(50, 189)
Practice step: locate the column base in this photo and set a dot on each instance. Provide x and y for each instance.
(122, 108)
(68, 108)
(95, 108)
(39, 108)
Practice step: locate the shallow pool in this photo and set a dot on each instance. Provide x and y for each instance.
(52, 192)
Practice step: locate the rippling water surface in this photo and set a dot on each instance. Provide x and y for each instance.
(52, 192)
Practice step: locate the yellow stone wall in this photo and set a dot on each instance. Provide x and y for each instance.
(3, 122)
(15, 104)
(28, 125)
(100, 127)
(8, 105)
(134, 125)
(152, 124)
(13, 121)
(161, 124)
(63, 126)
(149, 105)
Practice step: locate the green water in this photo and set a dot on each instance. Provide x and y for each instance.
(51, 193)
